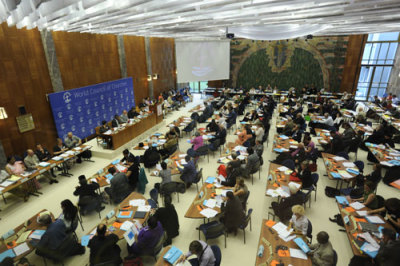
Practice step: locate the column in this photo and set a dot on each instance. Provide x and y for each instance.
(149, 68)
(121, 53)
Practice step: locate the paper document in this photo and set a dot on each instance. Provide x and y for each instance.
(208, 213)
(145, 208)
(211, 203)
(362, 213)
(126, 225)
(297, 253)
(357, 205)
(21, 249)
(182, 155)
(137, 202)
(22, 238)
(338, 158)
(283, 168)
(375, 219)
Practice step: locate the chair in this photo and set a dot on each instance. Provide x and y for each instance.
(360, 165)
(157, 248)
(335, 258)
(189, 128)
(309, 231)
(212, 230)
(355, 143)
(315, 178)
(307, 197)
(245, 223)
(217, 254)
(172, 187)
(153, 201)
(199, 176)
(289, 163)
(244, 203)
(203, 151)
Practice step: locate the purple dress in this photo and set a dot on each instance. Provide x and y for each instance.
(147, 240)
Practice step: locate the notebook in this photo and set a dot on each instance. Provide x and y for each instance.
(300, 242)
(139, 215)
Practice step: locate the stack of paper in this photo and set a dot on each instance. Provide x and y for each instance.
(375, 219)
(283, 168)
(137, 202)
(297, 253)
(357, 205)
(208, 213)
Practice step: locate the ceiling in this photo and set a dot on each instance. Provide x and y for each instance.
(254, 19)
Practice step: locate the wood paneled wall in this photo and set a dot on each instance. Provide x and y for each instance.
(24, 80)
(351, 71)
(162, 52)
(135, 55)
(86, 59)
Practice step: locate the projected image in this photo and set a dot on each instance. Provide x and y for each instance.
(202, 60)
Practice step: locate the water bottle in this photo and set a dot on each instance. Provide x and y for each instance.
(260, 252)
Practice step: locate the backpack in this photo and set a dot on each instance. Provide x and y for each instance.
(331, 192)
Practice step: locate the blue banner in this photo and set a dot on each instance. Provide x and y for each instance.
(81, 110)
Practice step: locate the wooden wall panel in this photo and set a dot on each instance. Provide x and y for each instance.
(135, 54)
(351, 71)
(163, 63)
(86, 59)
(24, 80)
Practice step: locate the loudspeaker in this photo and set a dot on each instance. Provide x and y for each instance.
(22, 110)
(230, 35)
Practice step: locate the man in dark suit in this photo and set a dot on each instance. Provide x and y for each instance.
(120, 188)
(233, 214)
(88, 198)
(115, 122)
(128, 157)
(104, 248)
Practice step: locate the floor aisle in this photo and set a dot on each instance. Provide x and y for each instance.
(236, 253)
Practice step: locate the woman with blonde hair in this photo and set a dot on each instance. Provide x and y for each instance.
(299, 221)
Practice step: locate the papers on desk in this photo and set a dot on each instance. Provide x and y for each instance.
(281, 229)
(121, 168)
(6, 183)
(239, 148)
(283, 168)
(8, 253)
(108, 132)
(137, 202)
(14, 178)
(349, 164)
(182, 155)
(22, 238)
(125, 226)
(283, 137)
(357, 205)
(345, 174)
(338, 158)
(144, 208)
(57, 158)
(342, 200)
(370, 250)
(44, 164)
(210, 180)
(362, 213)
(210, 203)
(208, 213)
(241, 157)
(386, 164)
(37, 234)
(183, 161)
(323, 141)
(374, 219)
(85, 240)
(297, 253)
(224, 191)
(297, 185)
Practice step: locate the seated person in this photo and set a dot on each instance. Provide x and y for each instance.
(388, 253)
(348, 134)
(169, 146)
(369, 198)
(88, 200)
(147, 238)
(59, 147)
(104, 127)
(322, 252)
(304, 174)
(116, 122)
(32, 162)
(244, 135)
(204, 253)
(133, 173)
(132, 113)
(299, 221)
(104, 247)
(387, 141)
(119, 187)
(188, 172)
(252, 165)
(299, 120)
(55, 243)
(72, 141)
(259, 132)
(299, 155)
(124, 117)
(296, 133)
(212, 126)
(283, 209)
(69, 215)
(44, 155)
(150, 157)
(335, 145)
(14, 167)
(220, 135)
(240, 190)
(128, 157)
(168, 218)
(392, 208)
(165, 175)
(233, 214)
(325, 123)
(288, 129)
(197, 142)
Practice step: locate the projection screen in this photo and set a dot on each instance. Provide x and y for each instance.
(202, 60)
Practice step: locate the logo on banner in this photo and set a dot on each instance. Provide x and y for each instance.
(68, 106)
(103, 106)
(62, 126)
(71, 117)
(109, 99)
(86, 101)
(90, 121)
(104, 116)
(79, 109)
(59, 114)
(115, 102)
(83, 130)
(102, 97)
(117, 111)
(126, 89)
(73, 128)
(122, 104)
(97, 113)
(67, 97)
(95, 104)
(121, 96)
(115, 93)
(88, 111)
(110, 108)
(81, 119)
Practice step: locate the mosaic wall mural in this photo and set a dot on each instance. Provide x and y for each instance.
(318, 61)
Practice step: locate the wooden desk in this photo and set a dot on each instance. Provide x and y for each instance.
(125, 202)
(266, 236)
(100, 177)
(323, 136)
(288, 144)
(332, 166)
(208, 192)
(131, 131)
(182, 121)
(33, 225)
(279, 178)
(351, 229)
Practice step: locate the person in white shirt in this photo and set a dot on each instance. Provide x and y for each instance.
(204, 253)
(259, 132)
(299, 222)
(327, 120)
